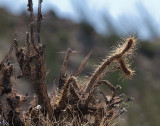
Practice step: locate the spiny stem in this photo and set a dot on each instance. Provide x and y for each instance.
(95, 77)
(124, 68)
(64, 68)
(83, 64)
(97, 74)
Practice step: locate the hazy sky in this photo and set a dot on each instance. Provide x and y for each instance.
(115, 8)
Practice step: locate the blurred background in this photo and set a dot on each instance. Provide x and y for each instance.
(86, 25)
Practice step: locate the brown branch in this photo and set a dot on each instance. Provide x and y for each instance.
(5, 82)
(109, 71)
(75, 84)
(98, 72)
(6, 71)
(128, 72)
(63, 74)
(13, 117)
(30, 9)
(95, 77)
(63, 97)
(39, 18)
(33, 68)
(83, 64)
(109, 85)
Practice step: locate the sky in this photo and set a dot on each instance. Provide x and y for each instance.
(94, 9)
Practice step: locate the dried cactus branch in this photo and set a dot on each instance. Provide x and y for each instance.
(30, 9)
(63, 74)
(39, 18)
(123, 66)
(109, 71)
(14, 117)
(6, 71)
(33, 66)
(5, 79)
(63, 98)
(109, 85)
(70, 104)
(95, 77)
(83, 64)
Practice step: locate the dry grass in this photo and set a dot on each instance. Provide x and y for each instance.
(73, 103)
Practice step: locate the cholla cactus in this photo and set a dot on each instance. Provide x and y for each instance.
(74, 103)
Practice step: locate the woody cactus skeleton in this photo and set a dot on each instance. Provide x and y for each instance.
(75, 102)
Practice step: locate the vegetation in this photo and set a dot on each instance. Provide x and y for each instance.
(75, 102)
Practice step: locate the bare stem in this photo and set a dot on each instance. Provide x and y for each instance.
(39, 18)
(83, 64)
(30, 9)
(63, 74)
